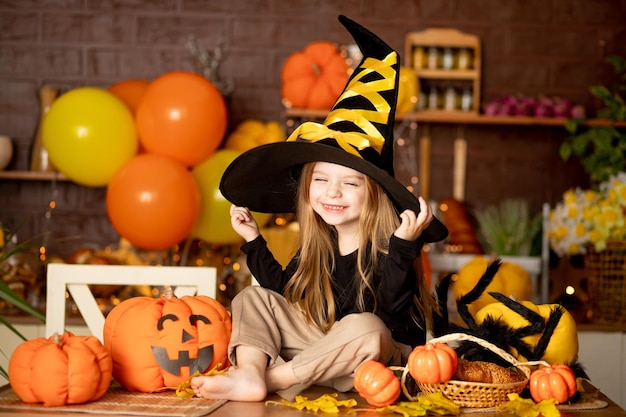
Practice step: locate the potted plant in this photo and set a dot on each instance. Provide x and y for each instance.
(601, 149)
(9, 248)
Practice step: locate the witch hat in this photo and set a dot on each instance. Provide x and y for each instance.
(357, 133)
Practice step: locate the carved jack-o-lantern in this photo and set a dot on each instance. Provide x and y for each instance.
(160, 342)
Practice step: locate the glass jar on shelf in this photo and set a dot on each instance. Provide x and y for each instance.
(422, 100)
(451, 99)
(434, 98)
(466, 99)
(447, 59)
(420, 60)
(464, 59)
(434, 58)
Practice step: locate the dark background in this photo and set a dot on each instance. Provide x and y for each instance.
(551, 47)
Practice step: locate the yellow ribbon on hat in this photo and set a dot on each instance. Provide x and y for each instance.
(351, 141)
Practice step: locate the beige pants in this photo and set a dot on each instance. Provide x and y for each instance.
(267, 321)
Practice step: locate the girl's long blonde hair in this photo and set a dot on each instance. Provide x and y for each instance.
(311, 286)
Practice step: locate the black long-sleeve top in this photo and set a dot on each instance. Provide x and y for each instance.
(395, 284)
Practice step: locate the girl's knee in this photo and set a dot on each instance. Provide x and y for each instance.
(369, 322)
(248, 293)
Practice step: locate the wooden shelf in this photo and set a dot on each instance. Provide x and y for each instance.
(441, 74)
(32, 176)
(458, 117)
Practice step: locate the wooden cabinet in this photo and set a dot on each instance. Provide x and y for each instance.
(448, 66)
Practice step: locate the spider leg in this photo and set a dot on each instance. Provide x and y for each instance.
(473, 295)
(537, 322)
(441, 318)
(553, 321)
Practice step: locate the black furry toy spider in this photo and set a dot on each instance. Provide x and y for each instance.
(496, 330)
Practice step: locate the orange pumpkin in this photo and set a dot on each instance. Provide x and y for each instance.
(158, 343)
(432, 363)
(252, 133)
(314, 77)
(62, 369)
(376, 383)
(556, 381)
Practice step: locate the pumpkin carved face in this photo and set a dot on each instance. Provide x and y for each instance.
(157, 343)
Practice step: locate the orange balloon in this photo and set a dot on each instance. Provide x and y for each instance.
(153, 201)
(130, 92)
(182, 115)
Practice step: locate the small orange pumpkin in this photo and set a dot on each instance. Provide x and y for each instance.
(376, 383)
(252, 133)
(432, 363)
(62, 369)
(314, 77)
(157, 343)
(556, 381)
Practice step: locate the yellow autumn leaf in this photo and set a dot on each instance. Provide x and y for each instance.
(439, 404)
(524, 407)
(435, 403)
(327, 403)
(407, 409)
(184, 388)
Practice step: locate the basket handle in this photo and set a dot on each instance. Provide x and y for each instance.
(455, 337)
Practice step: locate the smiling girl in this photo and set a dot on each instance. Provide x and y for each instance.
(351, 293)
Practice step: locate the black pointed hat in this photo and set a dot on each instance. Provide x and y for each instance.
(357, 133)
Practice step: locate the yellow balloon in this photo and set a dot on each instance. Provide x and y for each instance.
(213, 225)
(89, 134)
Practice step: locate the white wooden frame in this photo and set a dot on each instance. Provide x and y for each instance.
(187, 280)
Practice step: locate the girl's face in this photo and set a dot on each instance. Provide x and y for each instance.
(337, 194)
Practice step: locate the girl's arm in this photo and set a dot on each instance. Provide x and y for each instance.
(264, 267)
(398, 278)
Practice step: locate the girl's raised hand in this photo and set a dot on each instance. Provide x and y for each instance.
(412, 225)
(243, 223)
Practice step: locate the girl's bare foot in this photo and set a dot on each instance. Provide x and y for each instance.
(238, 384)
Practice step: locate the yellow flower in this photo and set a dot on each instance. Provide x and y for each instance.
(561, 232)
(580, 230)
(620, 191)
(590, 196)
(588, 217)
(569, 196)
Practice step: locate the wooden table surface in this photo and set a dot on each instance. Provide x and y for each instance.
(259, 409)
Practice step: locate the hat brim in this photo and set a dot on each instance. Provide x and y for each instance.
(265, 179)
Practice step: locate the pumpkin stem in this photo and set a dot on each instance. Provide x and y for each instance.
(56, 338)
(168, 292)
(316, 69)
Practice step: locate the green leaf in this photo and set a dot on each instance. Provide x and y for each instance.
(10, 296)
(508, 228)
(565, 151)
(602, 151)
(13, 329)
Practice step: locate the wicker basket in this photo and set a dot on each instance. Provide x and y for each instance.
(471, 394)
(606, 275)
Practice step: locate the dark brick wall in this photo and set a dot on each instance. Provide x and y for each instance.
(554, 47)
